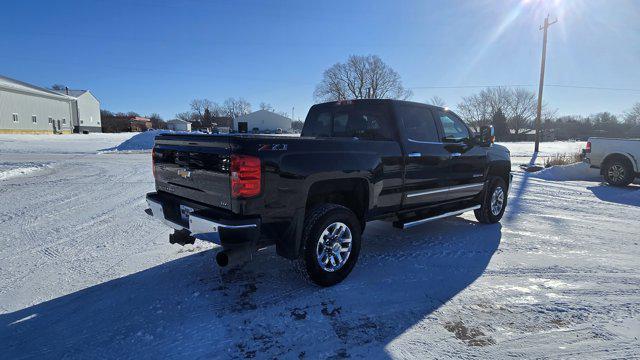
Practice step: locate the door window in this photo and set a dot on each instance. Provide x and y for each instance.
(454, 129)
(418, 123)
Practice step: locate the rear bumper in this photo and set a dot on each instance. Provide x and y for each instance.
(202, 224)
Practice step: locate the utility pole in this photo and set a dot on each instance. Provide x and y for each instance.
(544, 55)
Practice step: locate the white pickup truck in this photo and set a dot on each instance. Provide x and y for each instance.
(617, 159)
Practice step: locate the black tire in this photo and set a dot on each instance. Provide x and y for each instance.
(618, 172)
(485, 214)
(316, 222)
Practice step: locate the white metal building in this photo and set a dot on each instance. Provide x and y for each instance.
(263, 120)
(178, 125)
(85, 111)
(30, 109)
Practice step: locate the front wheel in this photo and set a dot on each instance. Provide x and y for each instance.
(331, 239)
(494, 201)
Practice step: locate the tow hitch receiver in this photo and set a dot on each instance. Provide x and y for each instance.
(181, 237)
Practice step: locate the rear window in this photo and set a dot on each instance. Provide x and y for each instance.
(363, 121)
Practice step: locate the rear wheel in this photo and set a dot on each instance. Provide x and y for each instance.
(618, 172)
(494, 201)
(331, 240)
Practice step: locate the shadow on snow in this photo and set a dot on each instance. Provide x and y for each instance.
(629, 195)
(187, 307)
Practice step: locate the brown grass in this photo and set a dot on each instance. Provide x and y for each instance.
(563, 159)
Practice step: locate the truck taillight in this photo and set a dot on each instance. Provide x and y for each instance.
(245, 176)
(588, 148)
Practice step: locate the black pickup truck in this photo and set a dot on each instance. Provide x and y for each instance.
(311, 196)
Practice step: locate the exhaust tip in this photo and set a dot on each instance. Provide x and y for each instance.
(222, 259)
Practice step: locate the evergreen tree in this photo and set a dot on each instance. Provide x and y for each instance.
(499, 122)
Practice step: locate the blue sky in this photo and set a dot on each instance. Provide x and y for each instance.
(155, 56)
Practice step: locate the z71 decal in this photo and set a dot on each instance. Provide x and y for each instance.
(272, 147)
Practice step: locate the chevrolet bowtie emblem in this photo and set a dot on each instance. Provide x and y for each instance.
(184, 173)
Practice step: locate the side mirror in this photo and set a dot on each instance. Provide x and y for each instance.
(487, 135)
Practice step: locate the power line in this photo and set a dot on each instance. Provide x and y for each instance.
(524, 85)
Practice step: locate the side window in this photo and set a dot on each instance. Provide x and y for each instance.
(340, 124)
(454, 129)
(370, 126)
(363, 124)
(418, 123)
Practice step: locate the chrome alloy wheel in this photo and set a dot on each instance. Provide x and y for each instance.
(334, 247)
(616, 173)
(497, 201)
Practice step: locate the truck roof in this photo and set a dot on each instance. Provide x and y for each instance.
(375, 102)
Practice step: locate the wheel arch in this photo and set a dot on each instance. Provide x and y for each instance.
(628, 158)
(352, 193)
(500, 168)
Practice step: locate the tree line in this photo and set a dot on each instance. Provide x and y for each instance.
(511, 111)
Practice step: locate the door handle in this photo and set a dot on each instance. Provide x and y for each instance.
(455, 154)
(415, 154)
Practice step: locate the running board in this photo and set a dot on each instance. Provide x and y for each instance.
(411, 224)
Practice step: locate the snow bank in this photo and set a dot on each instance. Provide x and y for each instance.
(577, 171)
(139, 142)
(143, 141)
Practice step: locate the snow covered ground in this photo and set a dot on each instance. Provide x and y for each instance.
(85, 274)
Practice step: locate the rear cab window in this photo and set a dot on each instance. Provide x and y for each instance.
(364, 121)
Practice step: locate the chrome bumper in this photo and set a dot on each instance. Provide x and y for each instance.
(201, 227)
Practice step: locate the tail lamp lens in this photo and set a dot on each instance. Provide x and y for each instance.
(588, 148)
(245, 176)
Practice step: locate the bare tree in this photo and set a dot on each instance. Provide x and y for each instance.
(632, 117)
(361, 77)
(521, 110)
(476, 110)
(437, 101)
(198, 106)
(186, 116)
(236, 107)
(266, 106)
(518, 105)
(58, 87)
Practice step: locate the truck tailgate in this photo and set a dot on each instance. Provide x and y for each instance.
(195, 167)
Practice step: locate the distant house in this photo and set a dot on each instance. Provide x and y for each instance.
(124, 123)
(30, 109)
(262, 121)
(178, 125)
(139, 124)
